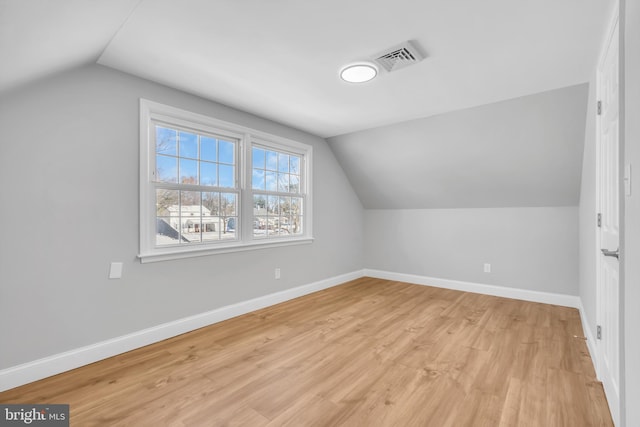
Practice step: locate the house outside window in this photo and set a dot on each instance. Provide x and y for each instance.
(209, 186)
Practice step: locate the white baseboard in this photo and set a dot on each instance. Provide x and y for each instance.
(58, 363)
(610, 391)
(478, 288)
(588, 333)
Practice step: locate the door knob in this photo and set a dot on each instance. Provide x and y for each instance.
(607, 252)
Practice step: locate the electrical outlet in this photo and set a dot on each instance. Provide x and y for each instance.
(487, 268)
(277, 272)
(115, 271)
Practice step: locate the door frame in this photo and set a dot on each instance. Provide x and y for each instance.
(614, 402)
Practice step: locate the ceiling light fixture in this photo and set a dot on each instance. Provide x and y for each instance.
(359, 73)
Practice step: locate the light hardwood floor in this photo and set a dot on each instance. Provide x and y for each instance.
(367, 353)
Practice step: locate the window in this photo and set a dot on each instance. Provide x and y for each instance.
(196, 185)
(277, 197)
(209, 186)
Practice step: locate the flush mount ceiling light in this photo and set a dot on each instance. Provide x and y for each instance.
(359, 73)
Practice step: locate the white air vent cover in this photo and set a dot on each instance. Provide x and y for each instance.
(397, 57)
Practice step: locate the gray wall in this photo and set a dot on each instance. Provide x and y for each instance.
(631, 264)
(494, 184)
(69, 164)
(521, 152)
(528, 248)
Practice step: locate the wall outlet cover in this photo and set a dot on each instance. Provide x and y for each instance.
(115, 271)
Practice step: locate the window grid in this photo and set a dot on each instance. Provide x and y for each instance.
(198, 197)
(278, 202)
(193, 201)
(182, 151)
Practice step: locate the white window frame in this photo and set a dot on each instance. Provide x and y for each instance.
(270, 146)
(150, 113)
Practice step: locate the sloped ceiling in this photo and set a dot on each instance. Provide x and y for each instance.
(522, 152)
(494, 116)
(280, 59)
(42, 37)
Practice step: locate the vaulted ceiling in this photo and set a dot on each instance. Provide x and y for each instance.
(521, 152)
(494, 116)
(280, 58)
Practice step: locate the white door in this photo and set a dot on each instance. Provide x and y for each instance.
(609, 231)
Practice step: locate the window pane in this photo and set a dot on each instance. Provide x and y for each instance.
(294, 184)
(167, 202)
(166, 169)
(191, 229)
(191, 215)
(190, 203)
(259, 226)
(283, 182)
(210, 219)
(285, 206)
(226, 152)
(208, 148)
(226, 176)
(296, 216)
(166, 141)
(229, 232)
(271, 181)
(272, 205)
(165, 233)
(232, 224)
(188, 145)
(296, 224)
(167, 217)
(188, 171)
(271, 226)
(294, 164)
(258, 158)
(210, 204)
(283, 162)
(208, 174)
(272, 161)
(219, 216)
(228, 204)
(210, 228)
(296, 205)
(275, 171)
(257, 179)
(259, 202)
(283, 227)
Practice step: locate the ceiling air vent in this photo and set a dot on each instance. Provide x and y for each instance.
(399, 56)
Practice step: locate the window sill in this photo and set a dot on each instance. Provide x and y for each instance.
(171, 253)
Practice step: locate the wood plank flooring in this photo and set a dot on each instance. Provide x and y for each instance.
(367, 353)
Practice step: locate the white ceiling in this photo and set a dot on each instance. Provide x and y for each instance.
(521, 152)
(280, 58)
(41, 37)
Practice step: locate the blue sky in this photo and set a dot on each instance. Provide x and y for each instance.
(179, 153)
